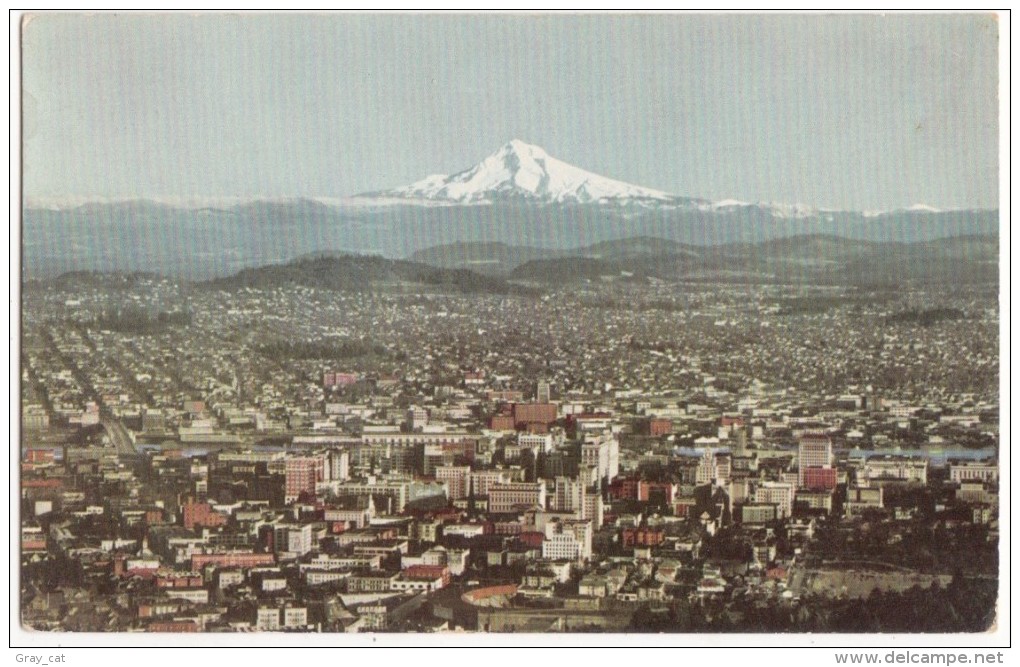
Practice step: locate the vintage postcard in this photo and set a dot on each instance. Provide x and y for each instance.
(661, 328)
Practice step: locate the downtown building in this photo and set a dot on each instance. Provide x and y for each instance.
(814, 451)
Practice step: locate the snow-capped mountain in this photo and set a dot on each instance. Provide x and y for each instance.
(519, 192)
(519, 170)
(921, 209)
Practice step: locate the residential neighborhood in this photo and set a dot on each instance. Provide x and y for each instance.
(615, 457)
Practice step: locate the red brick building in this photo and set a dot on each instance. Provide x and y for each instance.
(524, 413)
(501, 422)
(657, 427)
(631, 488)
(172, 626)
(532, 539)
(171, 579)
(201, 515)
(664, 491)
(39, 456)
(819, 479)
(507, 527)
(44, 483)
(430, 572)
(624, 488)
(302, 474)
(241, 559)
(642, 537)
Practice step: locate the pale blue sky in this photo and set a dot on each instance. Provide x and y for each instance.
(859, 112)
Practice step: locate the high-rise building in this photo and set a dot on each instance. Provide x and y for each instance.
(814, 451)
(537, 442)
(780, 494)
(339, 464)
(568, 496)
(417, 417)
(292, 538)
(458, 480)
(481, 480)
(740, 442)
(714, 467)
(303, 473)
(543, 394)
(570, 540)
(592, 508)
(603, 454)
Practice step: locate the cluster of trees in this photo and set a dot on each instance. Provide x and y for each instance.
(966, 605)
(135, 320)
(927, 317)
(306, 349)
(346, 273)
(816, 304)
(918, 545)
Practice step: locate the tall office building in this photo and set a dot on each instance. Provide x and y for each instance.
(814, 451)
(303, 473)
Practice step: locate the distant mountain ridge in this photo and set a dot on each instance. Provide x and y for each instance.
(519, 171)
(812, 258)
(520, 197)
(501, 269)
(353, 273)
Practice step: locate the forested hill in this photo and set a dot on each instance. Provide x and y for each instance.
(361, 273)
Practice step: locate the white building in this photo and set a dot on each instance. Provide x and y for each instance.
(568, 495)
(714, 468)
(267, 619)
(603, 453)
(515, 495)
(481, 480)
(537, 442)
(571, 495)
(779, 493)
(893, 468)
(293, 538)
(813, 451)
(295, 617)
(563, 546)
(986, 471)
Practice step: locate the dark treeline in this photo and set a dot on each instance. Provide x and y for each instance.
(965, 605)
(353, 273)
(346, 349)
(926, 317)
(815, 304)
(139, 321)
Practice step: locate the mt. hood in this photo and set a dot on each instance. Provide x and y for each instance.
(522, 171)
(518, 193)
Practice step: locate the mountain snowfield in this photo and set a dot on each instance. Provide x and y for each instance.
(538, 201)
(517, 172)
(522, 170)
